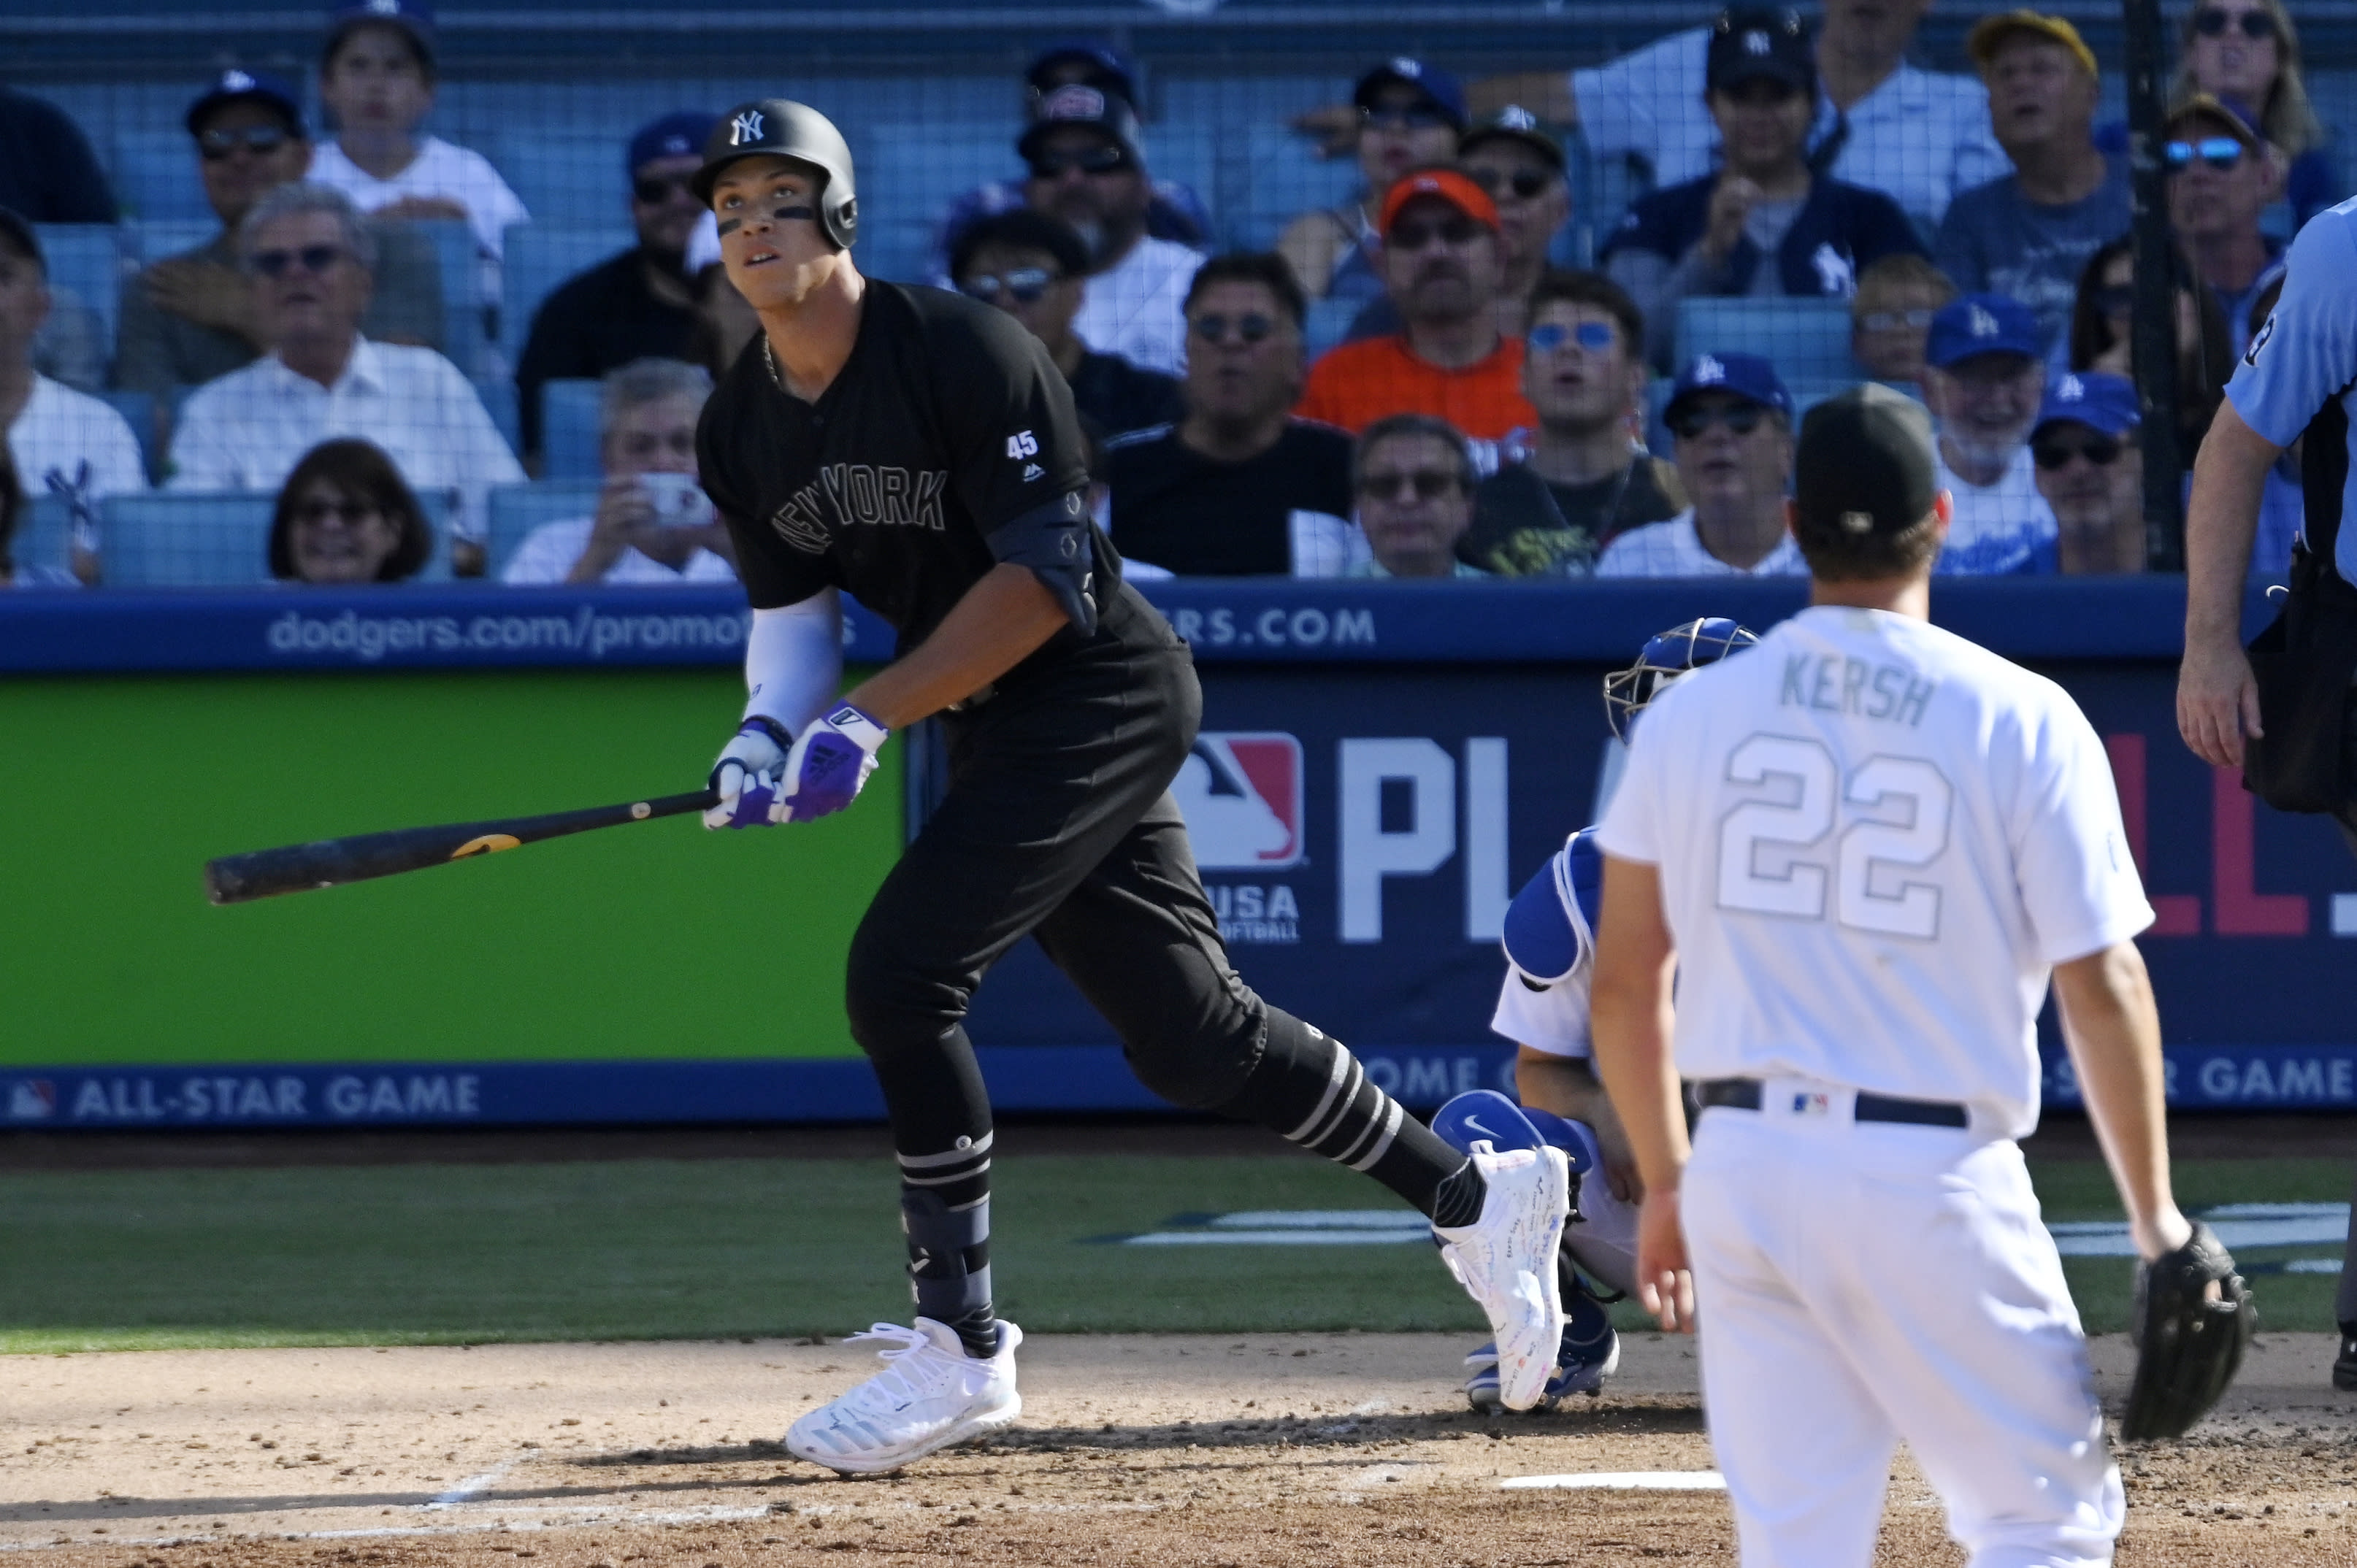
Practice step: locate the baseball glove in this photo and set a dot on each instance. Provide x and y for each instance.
(2193, 1317)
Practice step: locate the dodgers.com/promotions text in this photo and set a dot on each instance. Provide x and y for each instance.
(587, 635)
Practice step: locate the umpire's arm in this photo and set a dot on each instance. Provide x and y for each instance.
(2112, 1031)
(2217, 700)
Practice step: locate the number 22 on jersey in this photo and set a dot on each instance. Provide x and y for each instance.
(1827, 841)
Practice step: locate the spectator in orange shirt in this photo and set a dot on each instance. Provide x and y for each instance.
(1440, 260)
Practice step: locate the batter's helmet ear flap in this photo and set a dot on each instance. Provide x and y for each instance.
(780, 127)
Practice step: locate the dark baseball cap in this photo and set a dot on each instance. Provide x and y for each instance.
(1435, 86)
(1864, 464)
(1108, 67)
(2096, 398)
(677, 134)
(415, 17)
(1975, 324)
(235, 86)
(1077, 103)
(1749, 42)
(1514, 123)
(1745, 375)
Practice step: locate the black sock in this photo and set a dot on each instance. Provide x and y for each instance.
(945, 1209)
(1457, 1202)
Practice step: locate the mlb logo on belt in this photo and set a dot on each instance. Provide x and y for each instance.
(1241, 792)
(1812, 1104)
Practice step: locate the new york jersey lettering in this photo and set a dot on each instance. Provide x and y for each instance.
(856, 495)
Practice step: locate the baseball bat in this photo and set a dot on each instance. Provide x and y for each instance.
(330, 863)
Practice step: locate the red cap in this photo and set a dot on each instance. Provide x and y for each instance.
(1448, 186)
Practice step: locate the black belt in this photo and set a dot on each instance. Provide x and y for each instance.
(1744, 1094)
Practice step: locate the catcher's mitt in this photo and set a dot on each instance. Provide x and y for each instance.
(2193, 1317)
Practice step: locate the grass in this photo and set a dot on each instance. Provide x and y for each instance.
(662, 1249)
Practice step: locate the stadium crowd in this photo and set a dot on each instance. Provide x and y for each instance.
(1821, 211)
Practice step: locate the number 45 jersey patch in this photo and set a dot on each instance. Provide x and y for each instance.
(1873, 840)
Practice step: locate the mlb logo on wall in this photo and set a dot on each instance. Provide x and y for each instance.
(1241, 792)
(32, 1100)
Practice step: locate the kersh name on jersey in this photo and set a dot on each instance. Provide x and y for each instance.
(1840, 686)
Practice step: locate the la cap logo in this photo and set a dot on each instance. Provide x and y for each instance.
(1708, 369)
(2072, 389)
(1403, 66)
(1073, 101)
(1755, 42)
(235, 82)
(1984, 325)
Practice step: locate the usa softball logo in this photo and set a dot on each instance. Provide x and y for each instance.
(1241, 792)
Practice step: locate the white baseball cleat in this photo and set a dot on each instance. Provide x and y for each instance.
(1505, 1261)
(930, 1396)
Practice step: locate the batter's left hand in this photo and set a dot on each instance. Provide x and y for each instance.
(831, 759)
(1664, 1283)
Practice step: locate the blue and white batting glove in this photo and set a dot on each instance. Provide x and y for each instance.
(745, 776)
(829, 763)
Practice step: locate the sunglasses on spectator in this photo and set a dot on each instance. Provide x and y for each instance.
(1413, 117)
(1458, 230)
(313, 259)
(2218, 152)
(2212, 22)
(1742, 418)
(1250, 327)
(217, 145)
(1415, 484)
(1524, 183)
(1593, 335)
(1096, 160)
(1024, 284)
(351, 514)
(1893, 320)
(2101, 450)
(652, 190)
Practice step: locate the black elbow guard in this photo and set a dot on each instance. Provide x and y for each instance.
(1053, 541)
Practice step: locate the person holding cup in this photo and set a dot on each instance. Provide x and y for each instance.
(653, 523)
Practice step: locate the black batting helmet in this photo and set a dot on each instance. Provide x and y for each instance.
(780, 127)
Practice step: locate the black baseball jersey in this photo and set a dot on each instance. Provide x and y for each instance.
(947, 434)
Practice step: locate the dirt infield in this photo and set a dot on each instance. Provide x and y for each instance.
(1210, 1452)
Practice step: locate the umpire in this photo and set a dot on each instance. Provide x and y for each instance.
(919, 450)
(2285, 711)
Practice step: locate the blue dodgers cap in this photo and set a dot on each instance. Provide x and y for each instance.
(1745, 375)
(2097, 398)
(1437, 86)
(1106, 67)
(1982, 324)
(238, 86)
(679, 135)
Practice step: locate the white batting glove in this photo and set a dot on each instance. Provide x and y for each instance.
(745, 776)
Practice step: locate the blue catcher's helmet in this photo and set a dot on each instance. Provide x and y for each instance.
(1666, 657)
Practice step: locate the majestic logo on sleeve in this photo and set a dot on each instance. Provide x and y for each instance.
(2259, 339)
(854, 495)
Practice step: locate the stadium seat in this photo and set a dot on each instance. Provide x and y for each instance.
(570, 181)
(44, 534)
(1280, 177)
(462, 290)
(539, 257)
(568, 430)
(517, 509)
(154, 175)
(214, 540)
(915, 170)
(86, 258)
(1329, 319)
(1805, 340)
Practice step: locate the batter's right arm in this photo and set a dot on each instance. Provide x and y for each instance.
(2112, 1031)
(2217, 700)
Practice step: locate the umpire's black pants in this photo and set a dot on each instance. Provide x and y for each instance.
(1058, 822)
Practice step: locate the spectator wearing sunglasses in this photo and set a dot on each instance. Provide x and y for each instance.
(1765, 224)
(1442, 265)
(1984, 378)
(1089, 171)
(1890, 315)
(308, 256)
(2222, 176)
(1033, 267)
(1414, 476)
(344, 517)
(1583, 482)
(189, 319)
(1238, 486)
(1731, 421)
(1404, 115)
(637, 303)
(2103, 336)
(2027, 234)
(2090, 469)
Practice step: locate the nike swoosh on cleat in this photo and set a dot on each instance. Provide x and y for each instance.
(1477, 1126)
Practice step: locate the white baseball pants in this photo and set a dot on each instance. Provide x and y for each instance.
(1861, 1282)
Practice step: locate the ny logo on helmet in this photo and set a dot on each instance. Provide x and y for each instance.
(746, 128)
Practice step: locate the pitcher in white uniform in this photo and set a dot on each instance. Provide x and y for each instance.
(1865, 846)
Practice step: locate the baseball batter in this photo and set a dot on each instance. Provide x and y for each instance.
(919, 450)
(1550, 946)
(1865, 846)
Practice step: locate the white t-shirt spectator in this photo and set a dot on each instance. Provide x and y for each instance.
(1137, 309)
(1919, 137)
(441, 170)
(1673, 548)
(548, 553)
(2000, 529)
(60, 430)
(247, 430)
